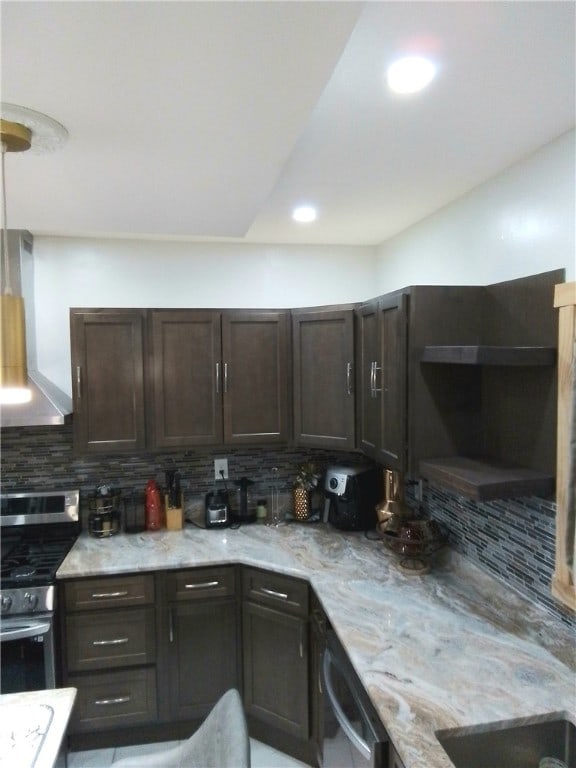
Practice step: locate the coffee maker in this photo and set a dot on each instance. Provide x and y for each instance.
(351, 497)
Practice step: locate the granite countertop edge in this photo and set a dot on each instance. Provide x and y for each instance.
(59, 701)
(451, 648)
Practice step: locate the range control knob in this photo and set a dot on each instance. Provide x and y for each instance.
(333, 483)
(6, 603)
(30, 600)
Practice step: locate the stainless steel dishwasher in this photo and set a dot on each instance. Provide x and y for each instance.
(354, 736)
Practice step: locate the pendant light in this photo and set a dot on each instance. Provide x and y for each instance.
(20, 130)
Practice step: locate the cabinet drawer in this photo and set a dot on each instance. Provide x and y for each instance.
(112, 699)
(201, 583)
(281, 592)
(93, 594)
(110, 639)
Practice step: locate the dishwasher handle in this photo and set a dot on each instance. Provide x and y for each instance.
(361, 745)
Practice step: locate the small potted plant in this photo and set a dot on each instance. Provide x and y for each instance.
(306, 480)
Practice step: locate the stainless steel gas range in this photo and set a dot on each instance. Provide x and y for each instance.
(38, 531)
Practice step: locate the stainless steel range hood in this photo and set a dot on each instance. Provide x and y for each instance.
(49, 405)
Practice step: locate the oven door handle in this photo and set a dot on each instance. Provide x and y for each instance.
(23, 631)
(361, 745)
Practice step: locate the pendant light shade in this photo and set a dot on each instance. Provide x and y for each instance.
(13, 369)
(20, 130)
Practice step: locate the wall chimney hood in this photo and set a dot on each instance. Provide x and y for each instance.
(49, 405)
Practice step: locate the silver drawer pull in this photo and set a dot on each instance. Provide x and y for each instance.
(108, 702)
(272, 593)
(118, 641)
(202, 585)
(99, 595)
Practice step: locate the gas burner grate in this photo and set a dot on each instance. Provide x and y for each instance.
(34, 562)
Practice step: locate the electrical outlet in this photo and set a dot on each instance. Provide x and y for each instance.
(220, 465)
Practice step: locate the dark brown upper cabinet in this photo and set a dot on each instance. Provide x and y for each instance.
(324, 377)
(255, 376)
(179, 378)
(108, 384)
(219, 377)
(381, 362)
(185, 366)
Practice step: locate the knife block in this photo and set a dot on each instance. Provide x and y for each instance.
(174, 516)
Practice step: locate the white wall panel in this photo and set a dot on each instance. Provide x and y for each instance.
(519, 223)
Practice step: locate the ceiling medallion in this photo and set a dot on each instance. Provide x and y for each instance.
(44, 133)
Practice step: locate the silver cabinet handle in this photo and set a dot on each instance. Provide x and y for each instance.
(217, 378)
(348, 378)
(373, 388)
(171, 625)
(225, 377)
(273, 593)
(202, 585)
(100, 595)
(301, 641)
(108, 702)
(117, 641)
(78, 381)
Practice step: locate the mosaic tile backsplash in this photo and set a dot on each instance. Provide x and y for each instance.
(513, 539)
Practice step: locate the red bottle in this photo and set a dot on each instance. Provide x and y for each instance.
(153, 506)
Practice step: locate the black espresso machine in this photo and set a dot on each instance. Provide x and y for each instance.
(351, 497)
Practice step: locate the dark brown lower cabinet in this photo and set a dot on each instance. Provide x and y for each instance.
(151, 654)
(275, 648)
(317, 647)
(203, 658)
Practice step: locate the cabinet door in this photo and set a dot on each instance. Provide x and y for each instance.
(367, 359)
(203, 660)
(108, 380)
(276, 668)
(186, 376)
(390, 380)
(323, 355)
(255, 377)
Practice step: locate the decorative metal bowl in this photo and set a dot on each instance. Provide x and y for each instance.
(414, 540)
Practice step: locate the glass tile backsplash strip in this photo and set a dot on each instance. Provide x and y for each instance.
(42, 457)
(513, 539)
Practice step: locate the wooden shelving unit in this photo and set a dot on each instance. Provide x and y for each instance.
(485, 479)
(487, 378)
(489, 355)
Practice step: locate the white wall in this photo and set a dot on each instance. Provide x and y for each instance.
(75, 272)
(519, 223)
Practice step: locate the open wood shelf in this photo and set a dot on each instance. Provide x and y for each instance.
(481, 354)
(485, 479)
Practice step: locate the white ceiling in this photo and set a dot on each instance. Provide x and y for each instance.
(213, 119)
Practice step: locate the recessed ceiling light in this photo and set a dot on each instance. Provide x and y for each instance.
(410, 74)
(304, 214)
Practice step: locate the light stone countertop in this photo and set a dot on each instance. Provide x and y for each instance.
(453, 647)
(32, 727)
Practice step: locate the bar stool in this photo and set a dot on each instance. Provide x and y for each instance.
(221, 741)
